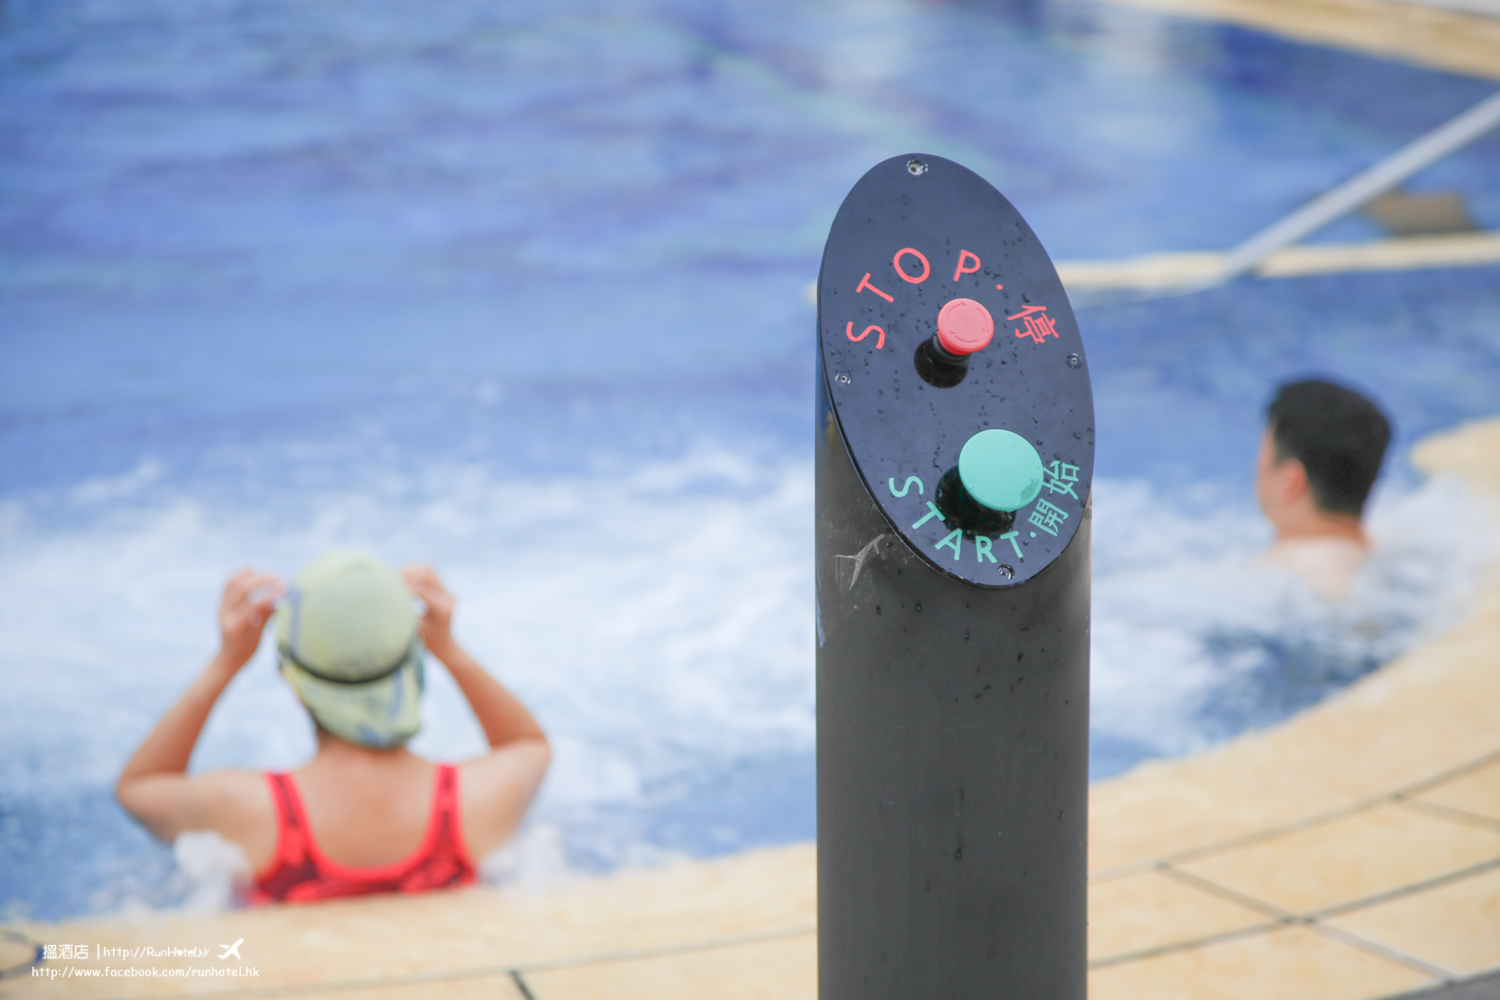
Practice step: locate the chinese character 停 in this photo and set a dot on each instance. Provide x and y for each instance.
(1047, 517)
(1063, 478)
(1038, 327)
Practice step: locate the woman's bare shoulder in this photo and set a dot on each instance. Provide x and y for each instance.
(232, 797)
(238, 805)
(494, 791)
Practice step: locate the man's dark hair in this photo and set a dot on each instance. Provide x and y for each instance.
(1337, 434)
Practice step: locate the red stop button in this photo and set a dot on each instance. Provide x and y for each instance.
(964, 326)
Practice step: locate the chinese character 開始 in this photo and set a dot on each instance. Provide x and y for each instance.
(1047, 517)
(1038, 327)
(1063, 478)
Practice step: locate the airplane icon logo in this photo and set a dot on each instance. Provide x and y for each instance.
(232, 949)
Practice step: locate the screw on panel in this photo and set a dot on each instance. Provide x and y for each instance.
(916, 167)
(1074, 361)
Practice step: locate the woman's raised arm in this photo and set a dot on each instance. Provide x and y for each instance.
(498, 787)
(154, 787)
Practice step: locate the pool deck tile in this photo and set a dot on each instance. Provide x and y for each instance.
(1454, 926)
(1141, 913)
(500, 986)
(1292, 963)
(1431, 36)
(783, 969)
(1479, 988)
(1358, 857)
(1169, 270)
(479, 933)
(1477, 793)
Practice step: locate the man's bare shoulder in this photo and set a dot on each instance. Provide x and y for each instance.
(1327, 564)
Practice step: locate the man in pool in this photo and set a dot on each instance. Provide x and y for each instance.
(365, 814)
(1319, 457)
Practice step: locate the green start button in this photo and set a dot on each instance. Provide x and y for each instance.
(1000, 469)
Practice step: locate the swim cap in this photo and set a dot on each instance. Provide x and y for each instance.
(347, 633)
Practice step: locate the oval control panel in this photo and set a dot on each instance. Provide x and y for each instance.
(955, 371)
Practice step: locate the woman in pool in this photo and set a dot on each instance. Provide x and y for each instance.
(365, 814)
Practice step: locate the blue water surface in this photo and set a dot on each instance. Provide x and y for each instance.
(522, 290)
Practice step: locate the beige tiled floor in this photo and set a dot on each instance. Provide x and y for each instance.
(1455, 926)
(497, 987)
(1292, 963)
(1426, 35)
(1175, 270)
(1477, 793)
(1211, 875)
(1354, 858)
(765, 970)
(1151, 910)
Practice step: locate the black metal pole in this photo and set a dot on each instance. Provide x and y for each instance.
(954, 460)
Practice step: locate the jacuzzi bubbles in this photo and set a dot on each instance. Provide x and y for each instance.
(1197, 639)
(668, 648)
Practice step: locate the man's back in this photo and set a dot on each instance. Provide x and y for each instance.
(1319, 457)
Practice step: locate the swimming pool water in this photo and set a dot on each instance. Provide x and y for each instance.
(522, 292)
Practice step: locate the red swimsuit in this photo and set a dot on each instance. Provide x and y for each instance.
(299, 872)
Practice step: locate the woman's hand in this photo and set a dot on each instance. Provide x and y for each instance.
(154, 787)
(249, 600)
(438, 621)
(499, 786)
